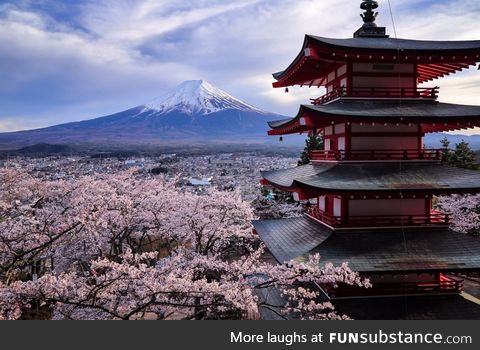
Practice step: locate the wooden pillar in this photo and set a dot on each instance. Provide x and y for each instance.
(348, 139)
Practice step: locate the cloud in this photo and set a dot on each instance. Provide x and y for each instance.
(72, 60)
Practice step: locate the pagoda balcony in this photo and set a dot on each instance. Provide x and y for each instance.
(378, 93)
(445, 285)
(435, 218)
(382, 155)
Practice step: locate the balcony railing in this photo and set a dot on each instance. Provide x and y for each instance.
(435, 218)
(384, 154)
(446, 285)
(378, 92)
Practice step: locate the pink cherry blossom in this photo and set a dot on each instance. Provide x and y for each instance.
(128, 247)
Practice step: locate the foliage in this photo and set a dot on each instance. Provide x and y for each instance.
(124, 247)
(464, 211)
(462, 156)
(267, 209)
(313, 142)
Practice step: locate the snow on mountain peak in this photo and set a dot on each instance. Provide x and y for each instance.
(198, 97)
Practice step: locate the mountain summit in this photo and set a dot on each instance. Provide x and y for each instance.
(195, 111)
(199, 97)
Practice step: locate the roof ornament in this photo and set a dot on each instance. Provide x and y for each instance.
(369, 28)
(369, 15)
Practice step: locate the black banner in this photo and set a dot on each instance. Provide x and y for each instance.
(242, 334)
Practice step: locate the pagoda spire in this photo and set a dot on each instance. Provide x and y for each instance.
(369, 15)
(369, 28)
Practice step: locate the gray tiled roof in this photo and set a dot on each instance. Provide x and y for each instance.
(289, 238)
(286, 177)
(394, 44)
(407, 46)
(409, 110)
(372, 250)
(394, 176)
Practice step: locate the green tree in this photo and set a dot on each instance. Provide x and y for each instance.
(463, 156)
(313, 142)
(446, 151)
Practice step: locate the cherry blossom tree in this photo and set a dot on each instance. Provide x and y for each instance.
(464, 212)
(127, 247)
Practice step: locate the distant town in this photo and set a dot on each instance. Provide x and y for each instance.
(228, 171)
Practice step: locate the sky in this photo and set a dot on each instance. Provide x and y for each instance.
(63, 61)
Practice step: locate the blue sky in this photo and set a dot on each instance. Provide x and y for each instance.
(70, 60)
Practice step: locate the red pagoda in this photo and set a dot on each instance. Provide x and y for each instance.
(371, 188)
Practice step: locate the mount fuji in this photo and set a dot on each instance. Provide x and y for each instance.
(194, 112)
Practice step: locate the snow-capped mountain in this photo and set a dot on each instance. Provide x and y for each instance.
(194, 112)
(199, 97)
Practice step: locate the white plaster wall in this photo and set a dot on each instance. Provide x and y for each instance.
(329, 130)
(337, 207)
(331, 76)
(340, 128)
(321, 203)
(341, 143)
(327, 145)
(342, 70)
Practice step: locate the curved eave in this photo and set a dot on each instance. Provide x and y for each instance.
(433, 116)
(310, 191)
(434, 59)
(371, 179)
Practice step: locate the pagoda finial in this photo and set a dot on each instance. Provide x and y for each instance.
(369, 28)
(369, 15)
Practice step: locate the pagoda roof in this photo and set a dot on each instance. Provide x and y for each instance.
(392, 177)
(373, 43)
(371, 251)
(319, 55)
(434, 116)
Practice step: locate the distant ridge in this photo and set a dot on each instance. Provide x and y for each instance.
(433, 140)
(46, 148)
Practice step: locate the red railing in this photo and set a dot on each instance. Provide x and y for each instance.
(435, 218)
(446, 285)
(384, 154)
(378, 92)
(323, 216)
(324, 155)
